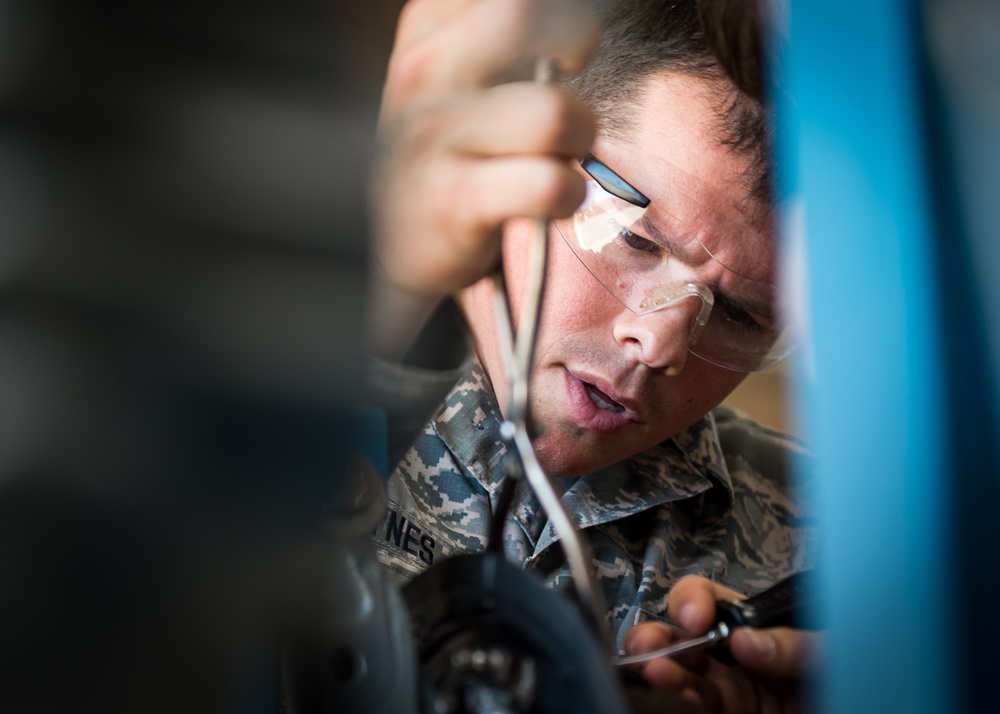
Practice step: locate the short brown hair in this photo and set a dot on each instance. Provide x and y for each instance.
(717, 40)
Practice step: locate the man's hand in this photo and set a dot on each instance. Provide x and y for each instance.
(772, 662)
(468, 141)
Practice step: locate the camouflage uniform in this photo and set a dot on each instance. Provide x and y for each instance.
(714, 500)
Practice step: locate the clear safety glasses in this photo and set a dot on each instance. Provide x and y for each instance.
(737, 321)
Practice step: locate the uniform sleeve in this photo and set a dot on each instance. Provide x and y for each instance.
(408, 392)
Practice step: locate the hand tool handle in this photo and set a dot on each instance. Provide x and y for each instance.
(786, 604)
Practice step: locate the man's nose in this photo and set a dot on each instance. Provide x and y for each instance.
(661, 338)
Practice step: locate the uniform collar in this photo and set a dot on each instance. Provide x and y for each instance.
(688, 469)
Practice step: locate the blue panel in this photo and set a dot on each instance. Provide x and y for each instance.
(854, 147)
(963, 63)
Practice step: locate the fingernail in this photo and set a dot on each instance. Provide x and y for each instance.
(761, 645)
(687, 615)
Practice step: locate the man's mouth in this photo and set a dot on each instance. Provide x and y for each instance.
(602, 400)
(595, 410)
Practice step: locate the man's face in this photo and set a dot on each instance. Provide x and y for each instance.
(608, 383)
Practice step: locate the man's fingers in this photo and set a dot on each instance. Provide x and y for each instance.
(548, 120)
(648, 636)
(527, 187)
(467, 202)
(486, 42)
(501, 39)
(563, 30)
(779, 653)
(668, 675)
(512, 119)
(421, 18)
(692, 602)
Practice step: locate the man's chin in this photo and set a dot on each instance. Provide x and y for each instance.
(569, 459)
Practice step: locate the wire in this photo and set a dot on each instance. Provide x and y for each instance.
(518, 354)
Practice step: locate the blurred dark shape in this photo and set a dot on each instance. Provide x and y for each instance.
(734, 33)
(347, 646)
(182, 225)
(492, 638)
(961, 105)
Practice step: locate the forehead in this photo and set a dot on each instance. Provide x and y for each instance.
(672, 152)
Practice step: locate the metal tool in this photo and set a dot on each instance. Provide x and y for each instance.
(783, 605)
(515, 430)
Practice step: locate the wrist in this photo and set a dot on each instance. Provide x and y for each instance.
(394, 318)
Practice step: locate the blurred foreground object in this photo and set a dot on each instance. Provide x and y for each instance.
(181, 258)
(894, 153)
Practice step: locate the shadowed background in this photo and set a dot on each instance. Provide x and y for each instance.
(182, 214)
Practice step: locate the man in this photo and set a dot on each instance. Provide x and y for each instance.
(658, 302)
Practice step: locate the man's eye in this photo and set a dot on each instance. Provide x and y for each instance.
(637, 242)
(740, 319)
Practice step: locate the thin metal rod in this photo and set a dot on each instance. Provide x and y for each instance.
(717, 634)
(518, 355)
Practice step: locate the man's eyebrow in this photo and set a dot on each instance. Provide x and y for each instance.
(656, 234)
(612, 182)
(743, 300)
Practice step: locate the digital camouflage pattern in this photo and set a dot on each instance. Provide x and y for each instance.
(716, 501)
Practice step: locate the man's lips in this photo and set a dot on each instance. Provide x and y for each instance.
(596, 406)
(607, 392)
(603, 400)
